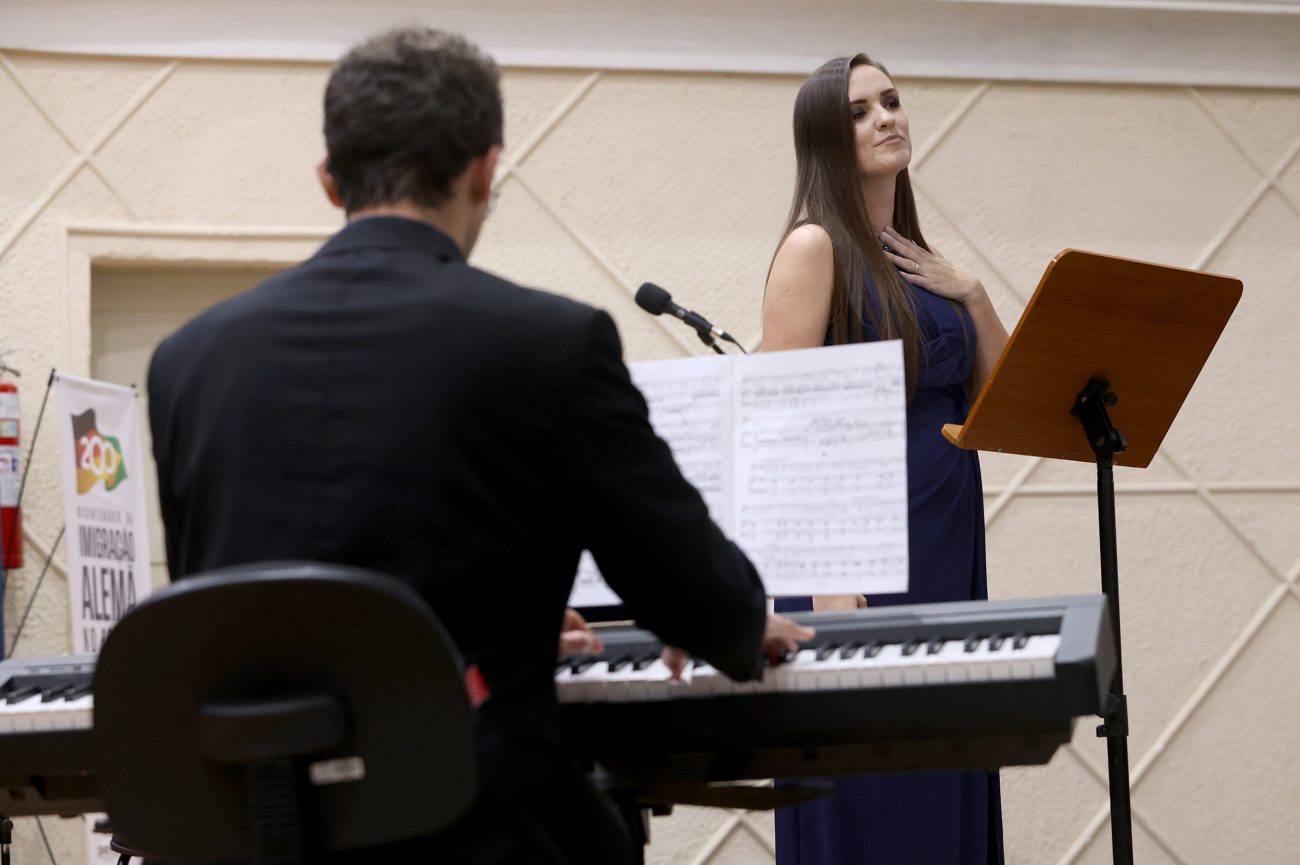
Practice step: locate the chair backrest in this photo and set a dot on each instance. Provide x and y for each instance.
(346, 674)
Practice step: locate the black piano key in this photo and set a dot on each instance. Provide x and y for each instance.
(934, 646)
(582, 663)
(619, 663)
(873, 648)
(996, 641)
(825, 651)
(76, 692)
(910, 648)
(1019, 640)
(973, 642)
(23, 693)
(645, 660)
(55, 692)
(850, 650)
(700, 664)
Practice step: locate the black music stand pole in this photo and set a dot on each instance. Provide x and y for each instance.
(1106, 441)
(1147, 328)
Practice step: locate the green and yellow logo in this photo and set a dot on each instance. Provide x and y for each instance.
(99, 457)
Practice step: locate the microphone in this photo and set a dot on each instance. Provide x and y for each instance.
(657, 301)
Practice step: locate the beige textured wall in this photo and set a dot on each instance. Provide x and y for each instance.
(615, 178)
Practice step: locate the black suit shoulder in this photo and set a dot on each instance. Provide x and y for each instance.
(188, 343)
(485, 306)
(519, 304)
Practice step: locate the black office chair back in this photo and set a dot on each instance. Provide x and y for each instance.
(265, 712)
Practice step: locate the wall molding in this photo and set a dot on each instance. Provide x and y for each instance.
(86, 245)
(1187, 42)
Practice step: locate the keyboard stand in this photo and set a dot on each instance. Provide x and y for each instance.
(1095, 320)
(745, 797)
(638, 804)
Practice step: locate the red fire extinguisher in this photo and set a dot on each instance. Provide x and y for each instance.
(11, 517)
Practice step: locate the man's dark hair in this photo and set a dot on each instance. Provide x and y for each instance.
(405, 112)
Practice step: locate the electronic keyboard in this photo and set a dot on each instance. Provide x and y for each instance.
(46, 752)
(977, 684)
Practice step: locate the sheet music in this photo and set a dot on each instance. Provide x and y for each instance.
(589, 587)
(800, 457)
(821, 469)
(690, 408)
(690, 403)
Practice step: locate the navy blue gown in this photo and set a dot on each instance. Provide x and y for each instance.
(929, 818)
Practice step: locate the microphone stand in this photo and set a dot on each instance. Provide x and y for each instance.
(707, 339)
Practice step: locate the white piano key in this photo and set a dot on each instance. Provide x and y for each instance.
(24, 714)
(796, 674)
(1042, 654)
(705, 681)
(630, 684)
(888, 662)
(870, 675)
(564, 690)
(935, 666)
(590, 685)
(653, 682)
(723, 686)
(999, 662)
(1020, 661)
(834, 671)
(952, 660)
(52, 714)
(851, 670)
(913, 666)
(81, 713)
(64, 716)
(979, 662)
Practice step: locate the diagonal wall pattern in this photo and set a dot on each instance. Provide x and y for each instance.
(611, 178)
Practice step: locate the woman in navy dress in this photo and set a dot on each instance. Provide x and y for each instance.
(854, 266)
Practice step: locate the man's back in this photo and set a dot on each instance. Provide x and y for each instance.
(387, 406)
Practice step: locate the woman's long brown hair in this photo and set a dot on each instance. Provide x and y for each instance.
(828, 192)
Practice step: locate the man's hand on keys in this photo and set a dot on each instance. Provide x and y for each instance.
(781, 637)
(577, 637)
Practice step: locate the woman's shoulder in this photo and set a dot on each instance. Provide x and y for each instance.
(807, 241)
(803, 270)
(809, 236)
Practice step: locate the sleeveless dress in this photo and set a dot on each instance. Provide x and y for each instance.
(924, 818)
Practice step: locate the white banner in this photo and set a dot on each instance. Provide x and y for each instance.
(104, 504)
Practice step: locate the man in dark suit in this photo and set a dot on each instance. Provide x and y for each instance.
(388, 406)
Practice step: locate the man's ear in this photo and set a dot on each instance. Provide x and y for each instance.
(327, 183)
(484, 171)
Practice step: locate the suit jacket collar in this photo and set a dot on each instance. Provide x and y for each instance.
(393, 232)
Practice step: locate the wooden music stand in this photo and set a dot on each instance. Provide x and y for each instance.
(1098, 327)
